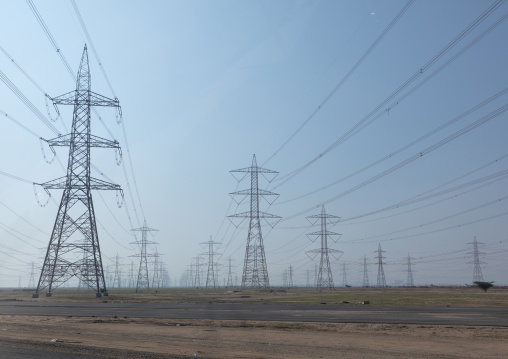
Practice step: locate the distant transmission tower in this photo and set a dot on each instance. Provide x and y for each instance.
(325, 278)
(381, 282)
(131, 275)
(290, 275)
(230, 276)
(477, 264)
(344, 276)
(31, 281)
(365, 272)
(156, 271)
(409, 281)
(143, 280)
(211, 272)
(117, 280)
(197, 272)
(307, 284)
(75, 219)
(255, 272)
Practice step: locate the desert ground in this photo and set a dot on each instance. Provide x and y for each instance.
(130, 337)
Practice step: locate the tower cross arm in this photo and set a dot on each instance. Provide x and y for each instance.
(324, 216)
(254, 169)
(95, 184)
(73, 97)
(95, 141)
(249, 215)
(328, 233)
(248, 192)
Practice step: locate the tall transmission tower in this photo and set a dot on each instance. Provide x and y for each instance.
(255, 272)
(409, 282)
(75, 219)
(290, 276)
(365, 272)
(211, 279)
(31, 280)
(131, 275)
(230, 275)
(325, 278)
(381, 282)
(143, 280)
(156, 271)
(477, 263)
(117, 280)
(344, 276)
(197, 272)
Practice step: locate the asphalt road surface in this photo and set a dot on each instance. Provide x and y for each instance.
(298, 313)
(22, 353)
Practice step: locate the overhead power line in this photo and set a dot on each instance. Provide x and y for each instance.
(360, 124)
(346, 77)
(413, 158)
(27, 102)
(403, 148)
(50, 37)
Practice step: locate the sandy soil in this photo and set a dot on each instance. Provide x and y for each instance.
(159, 338)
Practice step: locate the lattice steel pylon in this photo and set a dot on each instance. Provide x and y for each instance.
(290, 277)
(365, 272)
(117, 279)
(325, 277)
(76, 216)
(230, 275)
(381, 281)
(344, 275)
(477, 263)
(211, 279)
(143, 280)
(255, 271)
(409, 281)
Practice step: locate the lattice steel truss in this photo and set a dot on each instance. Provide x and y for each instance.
(409, 281)
(477, 263)
(73, 249)
(325, 277)
(143, 280)
(381, 281)
(255, 272)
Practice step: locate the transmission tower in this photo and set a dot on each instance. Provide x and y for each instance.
(409, 281)
(211, 279)
(230, 275)
(143, 280)
(197, 272)
(285, 278)
(344, 276)
(365, 272)
(131, 275)
(156, 271)
(117, 280)
(477, 264)
(255, 272)
(325, 278)
(76, 216)
(31, 281)
(307, 284)
(290, 275)
(381, 282)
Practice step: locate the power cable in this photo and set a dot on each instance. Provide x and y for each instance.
(413, 158)
(346, 77)
(403, 148)
(359, 125)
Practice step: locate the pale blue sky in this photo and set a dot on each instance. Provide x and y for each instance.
(204, 85)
